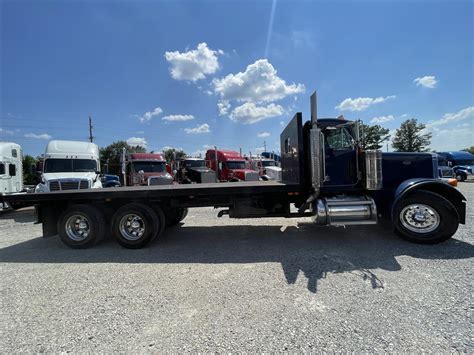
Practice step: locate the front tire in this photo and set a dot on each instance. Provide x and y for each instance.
(460, 177)
(135, 225)
(81, 226)
(425, 217)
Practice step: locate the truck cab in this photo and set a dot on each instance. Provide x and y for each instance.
(11, 169)
(70, 165)
(230, 166)
(267, 169)
(144, 169)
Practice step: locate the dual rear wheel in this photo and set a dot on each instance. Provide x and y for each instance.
(133, 225)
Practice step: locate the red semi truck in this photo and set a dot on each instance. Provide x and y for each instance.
(230, 165)
(147, 169)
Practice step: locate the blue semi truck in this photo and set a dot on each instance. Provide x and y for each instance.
(461, 162)
(326, 174)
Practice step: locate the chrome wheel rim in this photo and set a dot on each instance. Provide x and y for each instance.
(419, 218)
(78, 227)
(132, 227)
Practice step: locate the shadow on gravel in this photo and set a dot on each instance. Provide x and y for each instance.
(24, 215)
(312, 250)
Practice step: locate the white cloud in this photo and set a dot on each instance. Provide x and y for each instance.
(249, 113)
(464, 114)
(148, 116)
(174, 118)
(6, 131)
(194, 64)
(263, 135)
(204, 128)
(382, 119)
(259, 150)
(133, 141)
(451, 139)
(258, 83)
(198, 153)
(282, 123)
(38, 136)
(361, 103)
(207, 146)
(223, 106)
(166, 147)
(428, 81)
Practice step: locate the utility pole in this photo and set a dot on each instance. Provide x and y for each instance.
(91, 138)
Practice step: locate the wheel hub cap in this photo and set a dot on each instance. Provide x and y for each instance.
(419, 218)
(132, 227)
(77, 227)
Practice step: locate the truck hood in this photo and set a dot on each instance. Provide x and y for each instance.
(200, 169)
(60, 176)
(246, 174)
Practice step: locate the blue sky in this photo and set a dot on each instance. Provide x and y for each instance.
(192, 74)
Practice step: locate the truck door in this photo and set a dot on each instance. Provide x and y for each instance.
(341, 157)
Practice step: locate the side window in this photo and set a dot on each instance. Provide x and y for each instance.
(339, 139)
(14, 153)
(2, 169)
(12, 170)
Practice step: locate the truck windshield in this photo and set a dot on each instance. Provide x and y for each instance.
(268, 163)
(235, 165)
(149, 166)
(195, 163)
(69, 165)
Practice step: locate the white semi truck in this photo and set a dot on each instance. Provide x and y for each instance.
(70, 165)
(11, 170)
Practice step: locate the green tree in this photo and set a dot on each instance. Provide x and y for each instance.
(469, 150)
(410, 137)
(172, 154)
(28, 171)
(111, 155)
(374, 136)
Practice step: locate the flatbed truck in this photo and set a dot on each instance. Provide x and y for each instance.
(325, 174)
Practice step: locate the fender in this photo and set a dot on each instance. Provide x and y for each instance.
(437, 186)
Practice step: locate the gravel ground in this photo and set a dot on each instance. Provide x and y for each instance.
(215, 284)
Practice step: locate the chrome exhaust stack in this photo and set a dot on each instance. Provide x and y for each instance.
(345, 210)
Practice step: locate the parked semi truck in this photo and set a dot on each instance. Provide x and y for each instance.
(70, 165)
(325, 174)
(193, 170)
(267, 169)
(461, 162)
(143, 169)
(11, 170)
(230, 166)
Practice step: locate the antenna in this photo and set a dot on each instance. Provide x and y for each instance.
(314, 108)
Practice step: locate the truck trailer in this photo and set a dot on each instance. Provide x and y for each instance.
(325, 174)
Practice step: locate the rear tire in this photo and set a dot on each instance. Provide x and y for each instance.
(425, 217)
(81, 226)
(460, 177)
(135, 225)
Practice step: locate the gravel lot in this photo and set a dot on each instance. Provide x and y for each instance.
(216, 284)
